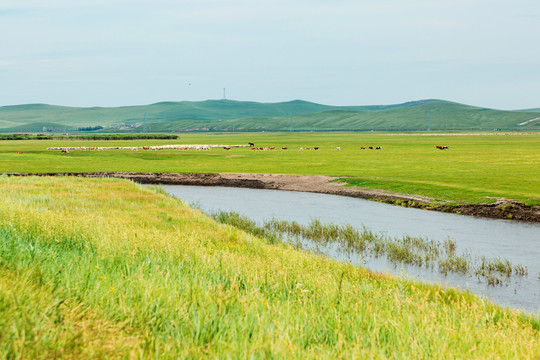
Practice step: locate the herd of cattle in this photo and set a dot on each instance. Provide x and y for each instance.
(203, 147)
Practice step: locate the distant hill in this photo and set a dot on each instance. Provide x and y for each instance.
(230, 115)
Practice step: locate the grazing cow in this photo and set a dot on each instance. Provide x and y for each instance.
(227, 147)
(378, 148)
(316, 148)
(261, 148)
(301, 149)
(363, 148)
(284, 148)
(308, 148)
(65, 151)
(19, 152)
(253, 148)
(338, 148)
(251, 144)
(271, 147)
(371, 148)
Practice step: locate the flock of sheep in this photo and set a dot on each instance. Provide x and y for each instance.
(188, 147)
(170, 147)
(137, 148)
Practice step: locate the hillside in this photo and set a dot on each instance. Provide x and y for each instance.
(442, 116)
(207, 111)
(230, 115)
(530, 110)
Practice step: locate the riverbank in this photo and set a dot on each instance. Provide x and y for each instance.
(104, 268)
(501, 209)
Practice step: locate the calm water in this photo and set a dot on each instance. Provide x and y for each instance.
(517, 241)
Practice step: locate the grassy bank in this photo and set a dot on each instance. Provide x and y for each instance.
(106, 269)
(476, 167)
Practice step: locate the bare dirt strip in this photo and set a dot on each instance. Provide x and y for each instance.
(501, 209)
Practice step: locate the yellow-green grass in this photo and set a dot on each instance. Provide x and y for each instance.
(102, 268)
(478, 167)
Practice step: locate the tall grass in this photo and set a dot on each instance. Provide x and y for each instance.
(417, 251)
(101, 268)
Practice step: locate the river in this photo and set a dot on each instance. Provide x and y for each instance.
(518, 242)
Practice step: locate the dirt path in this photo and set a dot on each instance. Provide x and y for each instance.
(502, 209)
(528, 121)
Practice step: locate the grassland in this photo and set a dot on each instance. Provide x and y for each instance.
(477, 167)
(103, 268)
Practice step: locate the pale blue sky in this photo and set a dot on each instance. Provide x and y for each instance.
(340, 52)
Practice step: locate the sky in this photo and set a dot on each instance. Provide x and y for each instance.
(335, 52)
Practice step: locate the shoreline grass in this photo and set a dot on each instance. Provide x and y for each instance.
(94, 268)
(418, 251)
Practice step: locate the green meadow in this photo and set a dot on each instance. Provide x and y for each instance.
(477, 167)
(103, 268)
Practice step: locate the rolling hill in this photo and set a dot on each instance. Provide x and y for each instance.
(230, 115)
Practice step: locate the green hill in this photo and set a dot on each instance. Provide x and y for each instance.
(209, 110)
(230, 115)
(531, 110)
(39, 127)
(442, 116)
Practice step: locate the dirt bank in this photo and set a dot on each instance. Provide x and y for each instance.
(502, 209)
